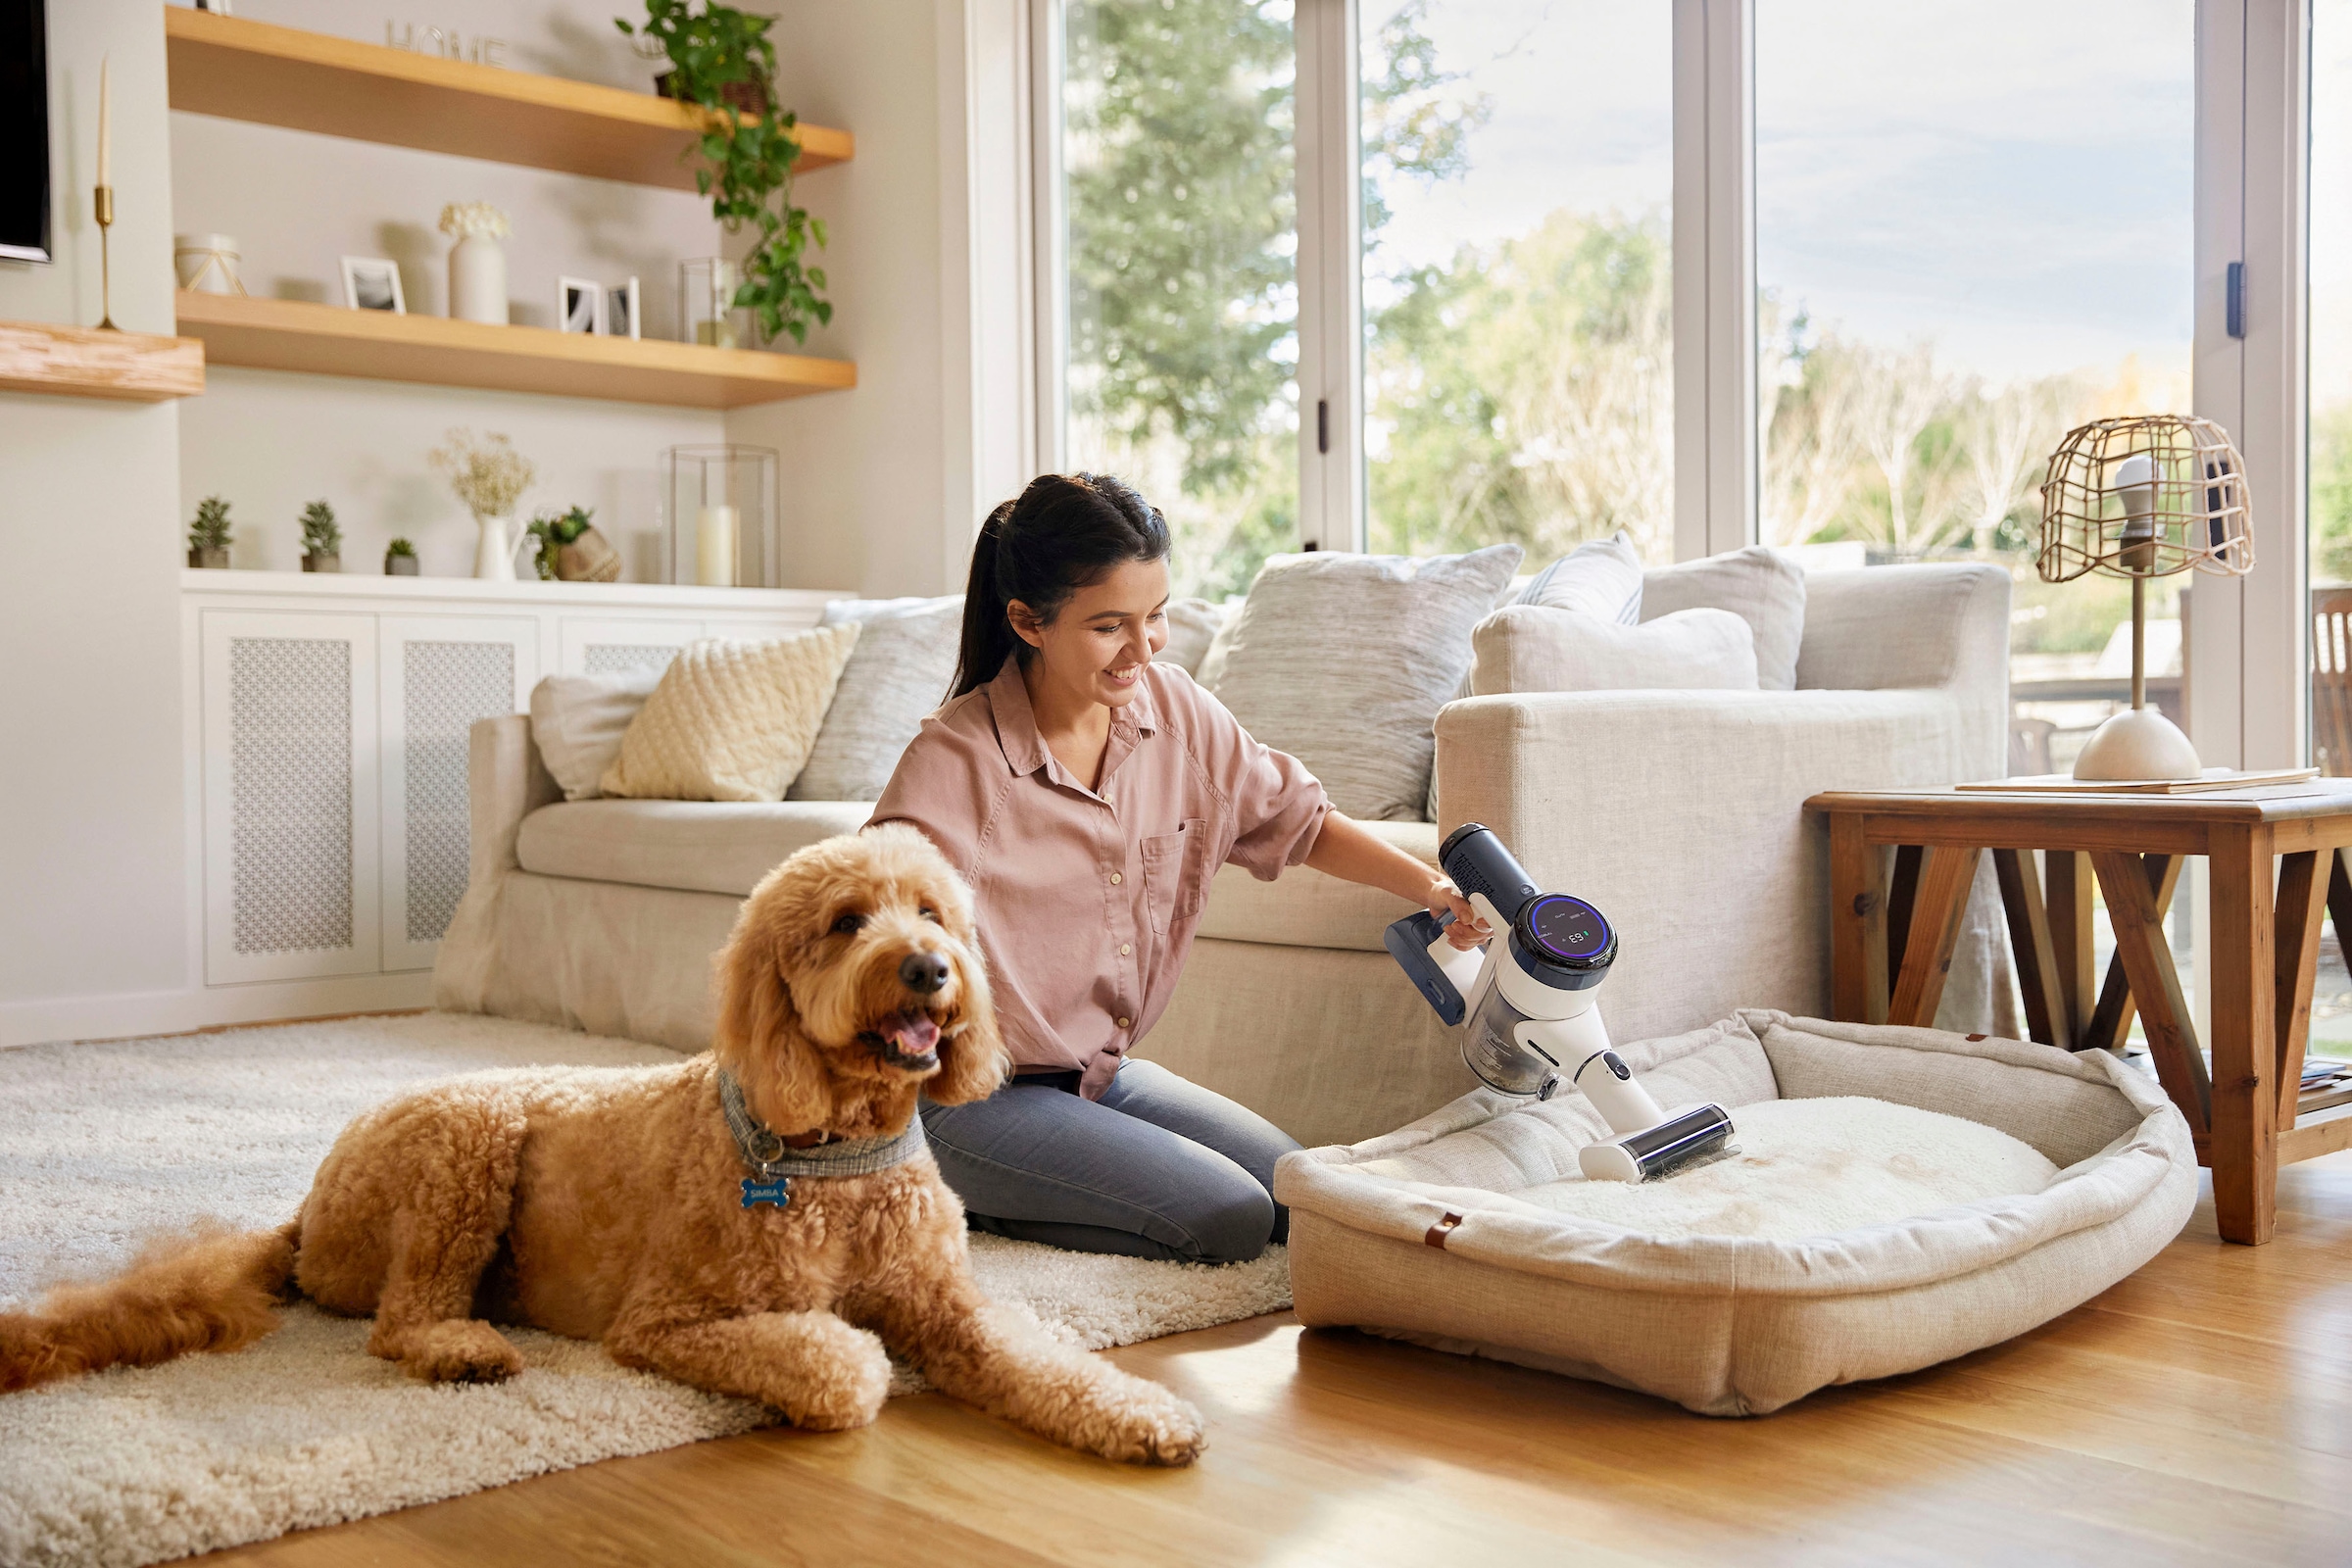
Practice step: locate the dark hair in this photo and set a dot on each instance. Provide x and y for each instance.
(1063, 532)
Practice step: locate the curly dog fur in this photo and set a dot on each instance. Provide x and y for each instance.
(605, 1203)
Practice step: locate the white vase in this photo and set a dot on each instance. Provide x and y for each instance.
(477, 281)
(496, 546)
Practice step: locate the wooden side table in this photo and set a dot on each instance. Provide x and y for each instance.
(1901, 865)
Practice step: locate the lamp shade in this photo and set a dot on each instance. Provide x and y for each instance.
(2179, 507)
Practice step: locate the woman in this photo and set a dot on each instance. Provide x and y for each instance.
(1089, 795)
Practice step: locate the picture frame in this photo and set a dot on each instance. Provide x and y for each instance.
(624, 316)
(372, 283)
(579, 305)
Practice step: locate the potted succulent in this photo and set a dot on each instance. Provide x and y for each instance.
(400, 558)
(571, 550)
(722, 60)
(207, 535)
(321, 539)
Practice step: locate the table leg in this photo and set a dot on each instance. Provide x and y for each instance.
(2067, 890)
(2302, 905)
(1902, 896)
(2137, 915)
(2029, 940)
(1857, 924)
(2339, 902)
(2111, 1020)
(1945, 877)
(2243, 1147)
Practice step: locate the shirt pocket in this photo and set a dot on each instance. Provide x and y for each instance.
(1176, 874)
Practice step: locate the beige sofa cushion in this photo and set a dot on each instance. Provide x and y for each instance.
(1535, 648)
(731, 720)
(1740, 1325)
(1761, 586)
(701, 846)
(1305, 908)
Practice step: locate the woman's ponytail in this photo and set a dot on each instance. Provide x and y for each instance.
(1063, 532)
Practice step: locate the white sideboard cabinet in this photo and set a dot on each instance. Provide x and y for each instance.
(326, 744)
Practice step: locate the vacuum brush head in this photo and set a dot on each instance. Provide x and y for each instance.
(1696, 1137)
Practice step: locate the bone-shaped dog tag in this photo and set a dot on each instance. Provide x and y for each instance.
(777, 1192)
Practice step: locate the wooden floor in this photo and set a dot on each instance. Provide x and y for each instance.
(2199, 1412)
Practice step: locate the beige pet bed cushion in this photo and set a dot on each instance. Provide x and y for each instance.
(1740, 1325)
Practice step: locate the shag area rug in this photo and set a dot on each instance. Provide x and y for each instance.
(104, 1146)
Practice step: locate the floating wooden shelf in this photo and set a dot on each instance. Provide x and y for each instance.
(274, 76)
(329, 340)
(84, 362)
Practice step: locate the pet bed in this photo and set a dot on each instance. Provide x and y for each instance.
(1461, 1231)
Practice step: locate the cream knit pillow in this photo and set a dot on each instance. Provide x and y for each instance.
(732, 720)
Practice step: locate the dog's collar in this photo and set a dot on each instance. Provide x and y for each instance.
(772, 1157)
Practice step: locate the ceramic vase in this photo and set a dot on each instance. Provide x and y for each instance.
(477, 283)
(494, 551)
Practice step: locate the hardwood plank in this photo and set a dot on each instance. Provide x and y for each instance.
(1857, 925)
(2029, 941)
(328, 340)
(274, 76)
(2111, 1020)
(1945, 878)
(86, 363)
(2137, 914)
(2302, 910)
(2243, 1114)
(2067, 878)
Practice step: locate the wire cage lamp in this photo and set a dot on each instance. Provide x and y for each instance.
(2140, 497)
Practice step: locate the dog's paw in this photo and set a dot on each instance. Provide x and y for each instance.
(1143, 1423)
(470, 1351)
(839, 1384)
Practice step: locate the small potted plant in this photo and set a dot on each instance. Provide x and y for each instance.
(400, 558)
(570, 549)
(207, 535)
(321, 539)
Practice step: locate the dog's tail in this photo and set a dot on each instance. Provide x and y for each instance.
(215, 1290)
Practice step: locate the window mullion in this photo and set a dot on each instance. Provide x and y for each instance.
(1330, 271)
(1715, 438)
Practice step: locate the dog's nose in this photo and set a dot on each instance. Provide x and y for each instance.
(925, 972)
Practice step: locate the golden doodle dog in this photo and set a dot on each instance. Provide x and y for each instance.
(761, 1220)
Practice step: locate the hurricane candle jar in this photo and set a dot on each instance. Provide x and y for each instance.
(706, 313)
(722, 517)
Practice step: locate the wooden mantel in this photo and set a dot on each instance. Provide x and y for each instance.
(86, 363)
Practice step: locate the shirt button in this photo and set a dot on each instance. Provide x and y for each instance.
(1114, 879)
(1123, 1023)
(1125, 947)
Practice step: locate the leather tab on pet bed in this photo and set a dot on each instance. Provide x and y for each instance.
(1441, 1230)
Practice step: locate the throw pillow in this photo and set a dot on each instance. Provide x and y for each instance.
(1534, 648)
(1762, 587)
(579, 720)
(1602, 578)
(897, 676)
(1191, 626)
(1212, 662)
(1342, 661)
(731, 720)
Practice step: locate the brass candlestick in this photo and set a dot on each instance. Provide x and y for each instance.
(106, 279)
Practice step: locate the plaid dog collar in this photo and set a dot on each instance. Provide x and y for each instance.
(778, 1163)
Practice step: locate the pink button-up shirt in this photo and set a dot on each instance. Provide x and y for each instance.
(1088, 898)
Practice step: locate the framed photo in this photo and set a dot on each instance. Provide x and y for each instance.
(621, 311)
(579, 305)
(371, 283)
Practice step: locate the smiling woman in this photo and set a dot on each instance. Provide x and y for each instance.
(1089, 794)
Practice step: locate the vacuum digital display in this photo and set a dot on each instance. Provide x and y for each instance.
(1568, 928)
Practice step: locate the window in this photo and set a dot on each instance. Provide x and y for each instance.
(1967, 244)
(1517, 286)
(1182, 285)
(2330, 459)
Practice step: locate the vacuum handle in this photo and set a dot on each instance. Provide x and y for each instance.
(1442, 973)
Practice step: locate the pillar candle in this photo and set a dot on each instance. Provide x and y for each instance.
(714, 547)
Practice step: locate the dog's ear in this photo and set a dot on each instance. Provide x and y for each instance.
(973, 1062)
(760, 1038)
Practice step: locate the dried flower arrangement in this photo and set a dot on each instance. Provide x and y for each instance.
(474, 221)
(487, 473)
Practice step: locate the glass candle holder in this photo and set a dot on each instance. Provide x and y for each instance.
(722, 517)
(706, 313)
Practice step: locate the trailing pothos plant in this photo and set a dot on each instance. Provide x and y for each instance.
(722, 60)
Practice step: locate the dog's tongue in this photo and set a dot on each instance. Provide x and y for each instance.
(913, 1034)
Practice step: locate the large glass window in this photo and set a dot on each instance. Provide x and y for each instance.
(1518, 296)
(1974, 226)
(1183, 290)
(2330, 456)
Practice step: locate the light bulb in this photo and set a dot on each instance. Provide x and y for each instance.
(2134, 486)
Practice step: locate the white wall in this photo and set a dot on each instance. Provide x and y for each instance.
(91, 861)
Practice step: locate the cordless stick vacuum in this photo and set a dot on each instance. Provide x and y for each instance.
(1531, 1022)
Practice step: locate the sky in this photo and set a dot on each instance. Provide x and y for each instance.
(2009, 178)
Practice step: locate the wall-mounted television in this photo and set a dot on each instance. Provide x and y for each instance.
(24, 132)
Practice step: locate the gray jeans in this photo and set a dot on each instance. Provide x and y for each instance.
(1157, 1167)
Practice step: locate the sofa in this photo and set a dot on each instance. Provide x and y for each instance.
(1677, 812)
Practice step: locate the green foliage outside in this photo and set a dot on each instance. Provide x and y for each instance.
(210, 530)
(748, 172)
(2331, 494)
(321, 535)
